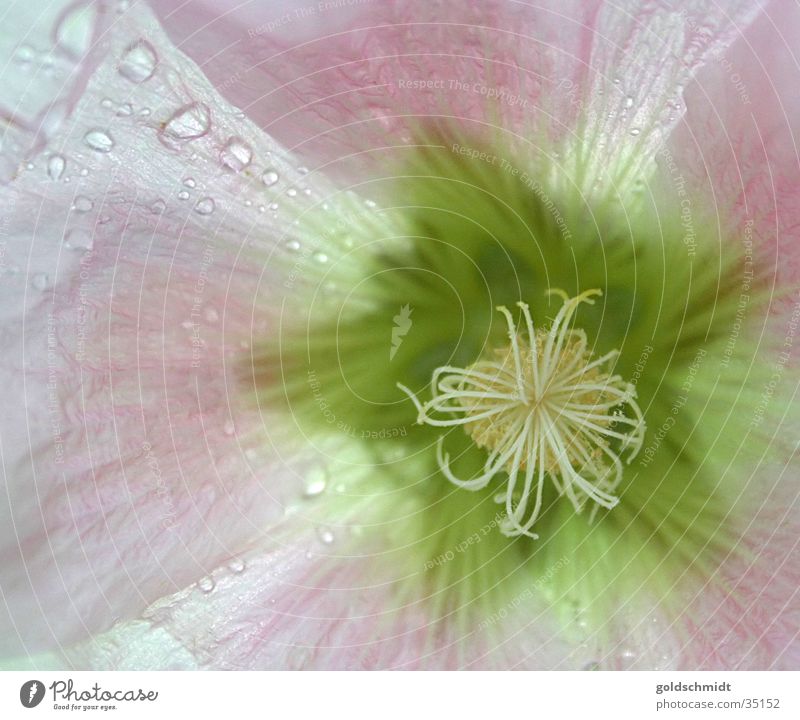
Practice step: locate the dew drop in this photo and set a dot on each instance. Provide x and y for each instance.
(74, 29)
(321, 257)
(82, 204)
(229, 428)
(269, 178)
(206, 584)
(188, 123)
(635, 131)
(292, 245)
(315, 484)
(78, 239)
(125, 110)
(40, 281)
(211, 315)
(205, 206)
(236, 565)
(138, 62)
(325, 535)
(107, 103)
(629, 102)
(25, 54)
(291, 192)
(273, 206)
(236, 154)
(189, 182)
(183, 195)
(55, 166)
(99, 140)
(158, 207)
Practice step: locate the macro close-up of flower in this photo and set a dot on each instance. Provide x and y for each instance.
(387, 334)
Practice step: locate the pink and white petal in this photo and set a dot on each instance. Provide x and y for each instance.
(621, 65)
(740, 142)
(136, 278)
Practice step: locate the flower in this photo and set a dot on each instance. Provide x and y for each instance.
(227, 242)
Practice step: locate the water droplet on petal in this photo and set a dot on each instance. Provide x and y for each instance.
(236, 154)
(79, 239)
(82, 203)
(99, 140)
(138, 62)
(188, 123)
(107, 103)
(629, 102)
(40, 281)
(55, 166)
(321, 257)
(291, 192)
(292, 245)
(205, 206)
(125, 110)
(229, 428)
(237, 566)
(635, 131)
(211, 315)
(269, 178)
(325, 535)
(158, 207)
(75, 27)
(25, 54)
(315, 484)
(189, 182)
(206, 584)
(183, 195)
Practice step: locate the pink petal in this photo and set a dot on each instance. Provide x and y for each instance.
(132, 465)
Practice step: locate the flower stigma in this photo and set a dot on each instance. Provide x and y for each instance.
(542, 407)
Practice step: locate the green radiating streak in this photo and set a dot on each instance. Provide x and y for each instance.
(484, 231)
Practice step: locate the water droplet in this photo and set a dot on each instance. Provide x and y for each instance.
(107, 103)
(158, 207)
(236, 154)
(206, 584)
(125, 110)
(211, 315)
(138, 62)
(75, 28)
(189, 122)
(370, 203)
(316, 483)
(82, 204)
(629, 102)
(25, 54)
(321, 257)
(99, 140)
(78, 239)
(40, 281)
(236, 565)
(145, 112)
(189, 182)
(292, 245)
(229, 428)
(84, 172)
(55, 166)
(205, 206)
(183, 195)
(635, 131)
(325, 535)
(291, 192)
(269, 177)
(273, 206)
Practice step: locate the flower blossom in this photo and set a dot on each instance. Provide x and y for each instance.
(261, 408)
